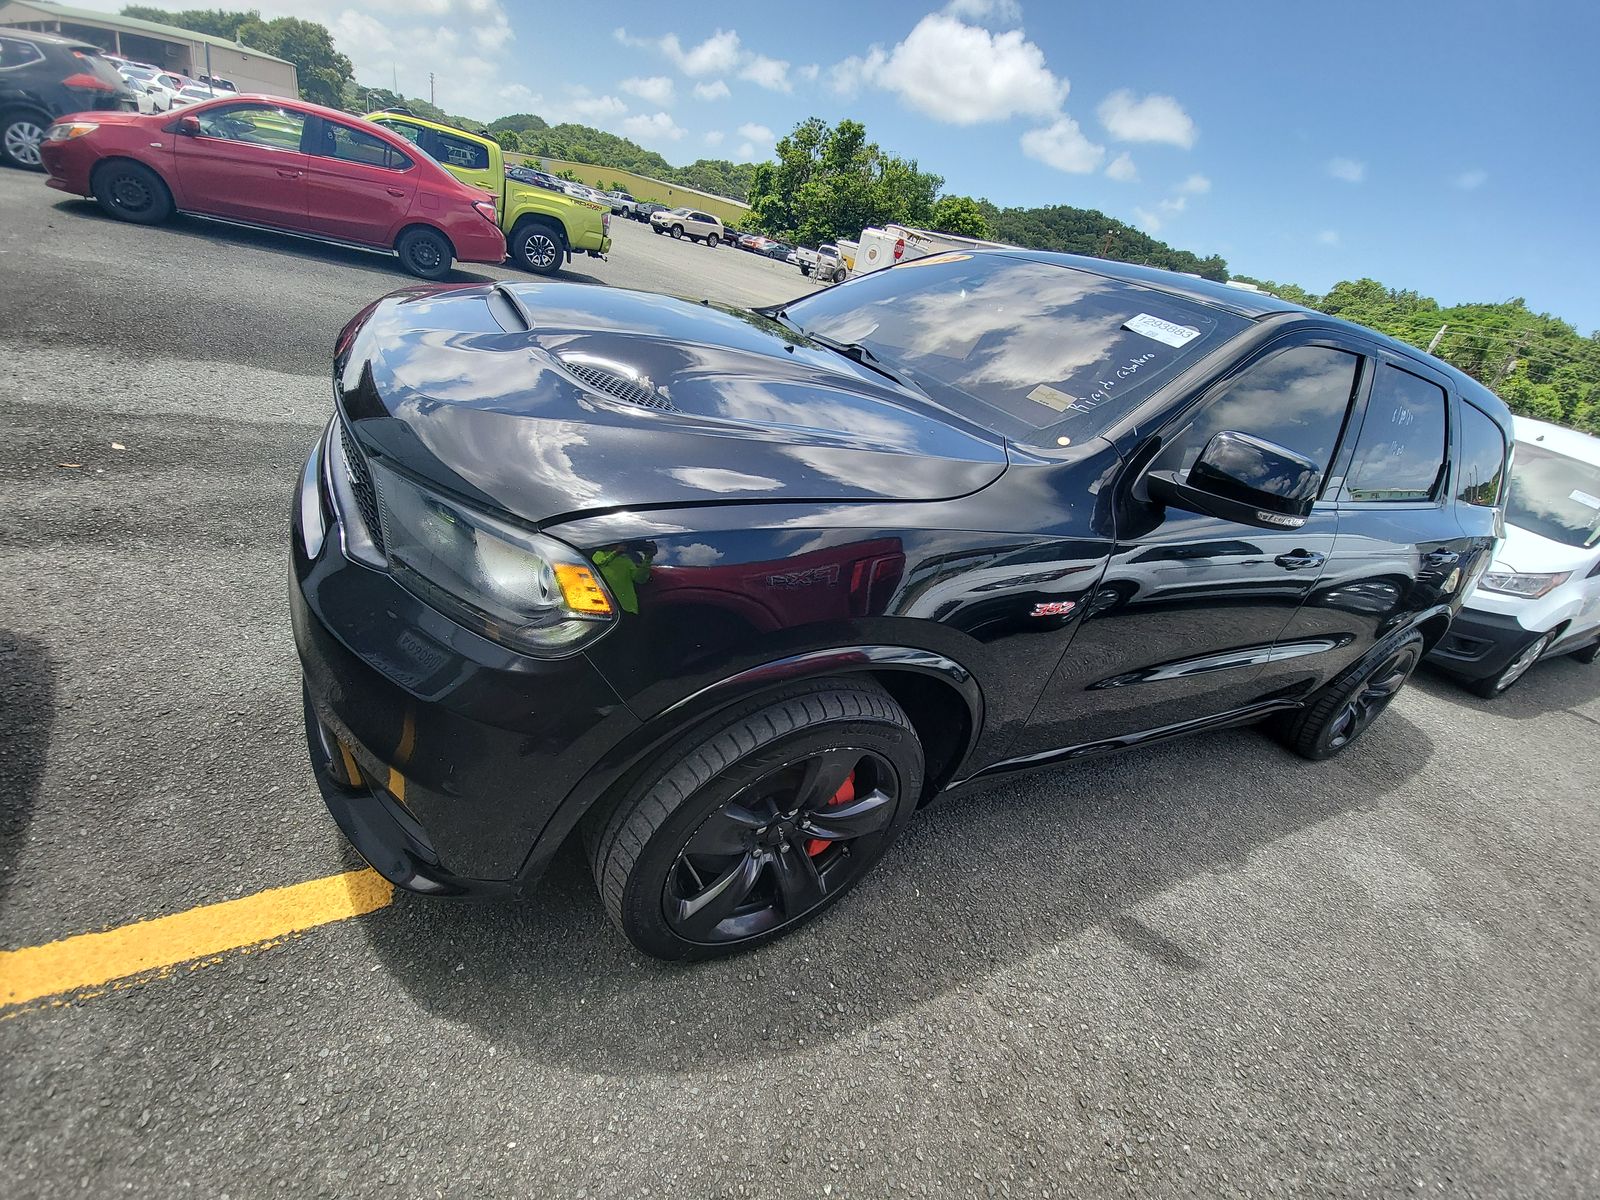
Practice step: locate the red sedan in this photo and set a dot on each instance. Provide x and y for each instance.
(277, 164)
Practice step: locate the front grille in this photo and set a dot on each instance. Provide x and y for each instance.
(361, 485)
(618, 386)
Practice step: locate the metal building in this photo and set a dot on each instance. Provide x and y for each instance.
(165, 46)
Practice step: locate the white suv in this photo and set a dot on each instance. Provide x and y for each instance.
(689, 223)
(1541, 596)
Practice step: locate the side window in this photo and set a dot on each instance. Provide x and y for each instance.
(411, 133)
(14, 52)
(459, 152)
(1400, 452)
(256, 124)
(354, 145)
(1483, 459)
(1297, 398)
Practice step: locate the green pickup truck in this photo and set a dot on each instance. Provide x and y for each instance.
(543, 229)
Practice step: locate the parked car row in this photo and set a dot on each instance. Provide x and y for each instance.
(429, 193)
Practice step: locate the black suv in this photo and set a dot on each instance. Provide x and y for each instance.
(43, 77)
(730, 594)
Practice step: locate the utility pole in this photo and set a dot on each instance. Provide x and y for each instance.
(431, 100)
(1437, 338)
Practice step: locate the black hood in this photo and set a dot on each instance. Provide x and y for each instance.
(549, 400)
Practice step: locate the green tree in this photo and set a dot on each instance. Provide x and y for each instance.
(959, 215)
(827, 182)
(509, 140)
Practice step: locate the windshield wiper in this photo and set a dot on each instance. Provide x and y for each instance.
(856, 352)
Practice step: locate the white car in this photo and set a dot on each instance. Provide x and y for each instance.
(193, 94)
(163, 88)
(1541, 595)
(689, 223)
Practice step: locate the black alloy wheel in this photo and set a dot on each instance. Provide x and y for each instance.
(1344, 709)
(758, 823)
(776, 850)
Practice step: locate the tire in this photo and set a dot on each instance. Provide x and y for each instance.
(1345, 708)
(838, 275)
(1588, 654)
(805, 270)
(677, 232)
(716, 850)
(425, 253)
(131, 191)
(538, 246)
(21, 133)
(1500, 684)
(711, 241)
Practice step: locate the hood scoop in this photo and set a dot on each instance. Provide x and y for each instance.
(607, 380)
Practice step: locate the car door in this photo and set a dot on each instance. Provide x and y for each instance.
(1191, 607)
(359, 188)
(1404, 547)
(245, 163)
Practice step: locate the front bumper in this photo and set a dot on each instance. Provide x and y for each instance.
(69, 165)
(1480, 644)
(466, 749)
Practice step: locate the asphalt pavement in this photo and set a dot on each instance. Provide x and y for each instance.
(1206, 968)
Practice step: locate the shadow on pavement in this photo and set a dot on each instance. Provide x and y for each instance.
(27, 712)
(289, 246)
(1551, 686)
(982, 880)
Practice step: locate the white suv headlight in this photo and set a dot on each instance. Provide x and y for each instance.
(1514, 583)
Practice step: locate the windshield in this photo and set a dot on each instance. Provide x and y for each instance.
(1554, 496)
(1020, 345)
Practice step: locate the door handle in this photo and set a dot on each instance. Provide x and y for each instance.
(395, 191)
(1297, 559)
(1441, 558)
(284, 173)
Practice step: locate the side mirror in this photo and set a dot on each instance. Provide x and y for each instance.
(1243, 479)
(188, 127)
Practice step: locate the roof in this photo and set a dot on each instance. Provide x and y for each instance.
(1571, 442)
(62, 12)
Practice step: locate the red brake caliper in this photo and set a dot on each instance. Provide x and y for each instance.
(845, 794)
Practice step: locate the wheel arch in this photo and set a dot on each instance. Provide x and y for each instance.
(408, 226)
(941, 697)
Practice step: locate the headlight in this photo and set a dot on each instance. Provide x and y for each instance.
(515, 587)
(67, 130)
(1514, 584)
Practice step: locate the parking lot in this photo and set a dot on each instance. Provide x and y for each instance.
(1206, 968)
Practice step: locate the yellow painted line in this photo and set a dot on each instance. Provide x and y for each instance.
(96, 959)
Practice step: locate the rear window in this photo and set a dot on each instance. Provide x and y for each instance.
(1018, 345)
(1483, 459)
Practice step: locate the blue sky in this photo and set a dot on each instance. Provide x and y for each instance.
(1449, 148)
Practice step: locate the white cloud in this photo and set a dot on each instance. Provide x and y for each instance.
(750, 131)
(809, 72)
(746, 153)
(1062, 145)
(958, 73)
(1147, 220)
(1195, 185)
(1155, 118)
(1003, 12)
(655, 128)
(1328, 237)
(714, 137)
(715, 90)
(1122, 169)
(653, 89)
(770, 73)
(582, 107)
(717, 55)
(1471, 181)
(1348, 169)
(1174, 204)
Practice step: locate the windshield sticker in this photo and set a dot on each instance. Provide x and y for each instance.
(1169, 333)
(1584, 498)
(1052, 398)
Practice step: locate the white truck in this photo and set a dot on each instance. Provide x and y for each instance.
(883, 247)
